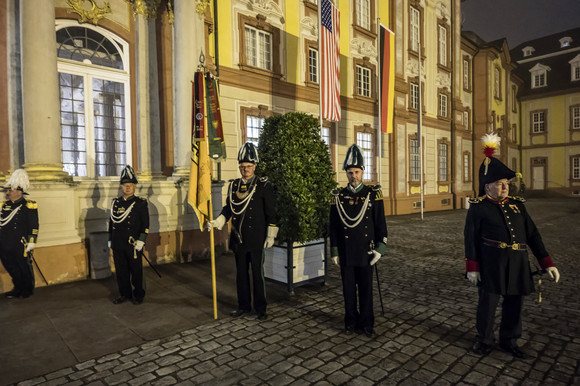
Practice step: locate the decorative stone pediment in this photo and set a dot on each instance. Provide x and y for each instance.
(363, 48)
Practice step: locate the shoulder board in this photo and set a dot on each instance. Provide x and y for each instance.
(263, 179)
(378, 192)
(476, 200)
(518, 198)
(335, 192)
(376, 188)
(30, 204)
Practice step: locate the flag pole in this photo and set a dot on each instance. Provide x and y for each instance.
(419, 112)
(318, 69)
(379, 92)
(212, 249)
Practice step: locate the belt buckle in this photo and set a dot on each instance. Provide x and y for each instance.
(515, 246)
(502, 245)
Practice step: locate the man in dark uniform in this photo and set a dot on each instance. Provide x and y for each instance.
(358, 239)
(18, 233)
(498, 230)
(128, 229)
(251, 206)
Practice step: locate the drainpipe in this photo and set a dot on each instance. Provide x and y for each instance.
(452, 112)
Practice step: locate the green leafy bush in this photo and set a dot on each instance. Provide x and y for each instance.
(297, 162)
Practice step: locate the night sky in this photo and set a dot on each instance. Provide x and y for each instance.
(519, 20)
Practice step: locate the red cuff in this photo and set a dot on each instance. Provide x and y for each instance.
(546, 262)
(471, 266)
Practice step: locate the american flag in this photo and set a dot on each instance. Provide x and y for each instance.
(330, 60)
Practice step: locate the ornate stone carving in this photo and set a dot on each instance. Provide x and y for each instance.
(147, 8)
(93, 15)
(267, 7)
(200, 6)
(310, 25)
(363, 48)
(443, 81)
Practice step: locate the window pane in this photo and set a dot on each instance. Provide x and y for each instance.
(415, 160)
(72, 123)
(442, 162)
(253, 126)
(88, 46)
(312, 65)
(365, 142)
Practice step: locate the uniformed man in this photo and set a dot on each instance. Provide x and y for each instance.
(128, 229)
(358, 239)
(18, 233)
(251, 206)
(498, 232)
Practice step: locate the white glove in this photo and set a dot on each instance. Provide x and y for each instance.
(552, 271)
(217, 223)
(272, 233)
(30, 247)
(376, 257)
(139, 245)
(335, 260)
(109, 244)
(474, 277)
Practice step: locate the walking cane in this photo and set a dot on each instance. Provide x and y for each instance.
(23, 241)
(379, 286)
(132, 241)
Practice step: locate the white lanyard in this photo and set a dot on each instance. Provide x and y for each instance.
(120, 218)
(5, 221)
(356, 219)
(245, 201)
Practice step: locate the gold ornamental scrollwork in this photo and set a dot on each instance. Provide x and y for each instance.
(200, 6)
(147, 8)
(93, 15)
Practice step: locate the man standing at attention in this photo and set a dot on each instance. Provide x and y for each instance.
(18, 233)
(128, 229)
(498, 231)
(251, 206)
(358, 239)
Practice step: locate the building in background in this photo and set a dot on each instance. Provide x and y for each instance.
(550, 112)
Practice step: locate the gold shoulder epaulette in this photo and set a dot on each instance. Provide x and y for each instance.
(518, 198)
(378, 192)
(476, 200)
(30, 204)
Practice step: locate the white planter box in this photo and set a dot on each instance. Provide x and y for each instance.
(306, 262)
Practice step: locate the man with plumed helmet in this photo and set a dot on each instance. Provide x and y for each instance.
(250, 205)
(498, 233)
(358, 239)
(128, 229)
(18, 233)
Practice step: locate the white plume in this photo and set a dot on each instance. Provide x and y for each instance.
(18, 179)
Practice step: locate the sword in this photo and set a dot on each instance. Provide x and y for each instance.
(23, 241)
(132, 241)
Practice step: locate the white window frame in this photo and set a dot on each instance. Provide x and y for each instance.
(414, 96)
(365, 141)
(539, 74)
(442, 37)
(575, 168)
(90, 72)
(325, 135)
(252, 129)
(443, 161)
(575, 69)
(442, 105)
(258, 48)
(466, 120)
(575, 117)
(363, 81)
(415, 28)
(363, 14)
(313, 65)
(538, 122)
(465, 74)
(496, 83)
(414, 160)
(466, 161)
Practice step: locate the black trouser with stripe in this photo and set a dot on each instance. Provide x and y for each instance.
(129, 270)
(246, 259)
(358, 279)
(19, 267)
(511, 317)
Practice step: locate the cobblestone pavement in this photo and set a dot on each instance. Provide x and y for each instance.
(424, 336)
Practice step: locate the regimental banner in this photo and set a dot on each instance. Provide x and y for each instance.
(199, 194)
(387, 77)
(215, 133)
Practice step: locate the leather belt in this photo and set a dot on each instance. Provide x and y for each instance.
(504, 245)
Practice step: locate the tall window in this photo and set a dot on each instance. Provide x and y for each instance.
(465, 74)
(538, 122)
(325, 135)
(415, 160)
(313, 65)
(94, 93)
(414, 102)
(443, 161)
(442, 45)
(514, 99)
(575, 161)
(363, 81)
(575, 117)
(539, 79)
(576, 70)
(364, 141)
(258, 48)
(466, 166)
(415, 28)
(497, 83)
(466, 120)
(253, 126)
(363, 13)
(443, 105)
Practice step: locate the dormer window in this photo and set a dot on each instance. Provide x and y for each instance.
(565, 42)
(539, 75)
(575, 68)
(528, 51)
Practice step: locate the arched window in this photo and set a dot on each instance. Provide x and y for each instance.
(94, 100)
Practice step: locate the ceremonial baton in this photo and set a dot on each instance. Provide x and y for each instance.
(132, 241)
(379, 285)
(29, 253)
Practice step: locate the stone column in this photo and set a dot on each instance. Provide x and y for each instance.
(148, 124)
(40, 95)
(189, 41)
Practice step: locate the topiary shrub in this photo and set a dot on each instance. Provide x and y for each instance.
(296, 160)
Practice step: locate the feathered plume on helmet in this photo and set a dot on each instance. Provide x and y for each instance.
(18, 181)
(353, 159)
(128, 175)
(490, 143)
